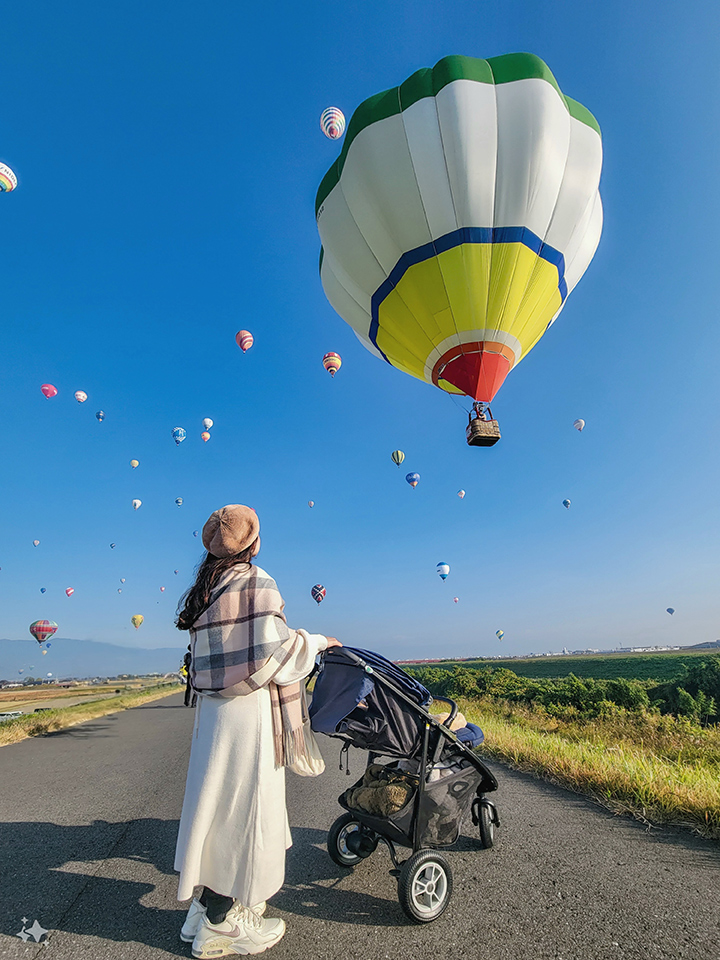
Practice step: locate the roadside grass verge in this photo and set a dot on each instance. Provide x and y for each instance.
(660, 769)
(36, 724)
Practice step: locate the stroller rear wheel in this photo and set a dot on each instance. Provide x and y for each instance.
(349, 842)
(425, 886)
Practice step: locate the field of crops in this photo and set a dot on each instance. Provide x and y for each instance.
(609, 666)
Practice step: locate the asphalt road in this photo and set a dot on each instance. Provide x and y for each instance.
(88, 820)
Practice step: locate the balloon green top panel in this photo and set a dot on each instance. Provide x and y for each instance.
(430, 80)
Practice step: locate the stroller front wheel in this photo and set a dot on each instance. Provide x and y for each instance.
(346, 828)
(425, 886)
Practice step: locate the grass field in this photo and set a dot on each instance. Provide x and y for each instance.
(610, 666)
(36, 724)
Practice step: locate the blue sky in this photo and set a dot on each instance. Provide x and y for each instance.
(168, 164)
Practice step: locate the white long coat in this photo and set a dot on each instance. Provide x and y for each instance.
(234, 827)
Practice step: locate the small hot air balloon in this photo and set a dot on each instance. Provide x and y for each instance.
(332, 122)
(8, 180)
(318, 593)
(178, 435)
(178, 501)
(455, 599)
(207, 424)
(499, 634)
(413, 479)
(461, 494)
(21, 672)
(48, 644)
(670, 610)
(49, 674)
(134, 463)
(311, 503)
(80, 396)
(69, 591)
(137, 504)
(119, 589)
(44, 653)
(112, 546)
(443, 570)
(42, 629)
(100, 415)
(332, 363)
(205, 436)
(162, 589)
(43, 589)
(36, 543)
(566, 504)
(579, 424)
(122, 579)
(397, 457)
(49, 390)
(195, 533)
(244, 340)
(136, 620)
(176, 572)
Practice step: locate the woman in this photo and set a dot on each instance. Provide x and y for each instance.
(246, 665)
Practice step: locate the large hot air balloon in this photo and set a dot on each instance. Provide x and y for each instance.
(332, 122)
(48, 390)
(579, 425)
(207, 424)
(80, 396)
(443, 570)
(137, 504)
(462, 210)
(318, 593)
(205, 436)
(136, 620)
(100, 415)
(134, 463)
(8, 180)
(244, 340)
(178, 435)
(42, 629)
(413, 479)
(332, 363)
(178, 501)
(566, 504)
(397, 457)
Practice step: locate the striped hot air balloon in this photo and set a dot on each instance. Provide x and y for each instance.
(332, 122)
(397, 457)
(462, 210)
(579, 425)
(244, 340)
(42, 629)
(100, 415)
(8, 180)
(80, 396)
(332, 363)
(318, 593)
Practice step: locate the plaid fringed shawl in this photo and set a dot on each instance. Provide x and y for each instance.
(238, 645)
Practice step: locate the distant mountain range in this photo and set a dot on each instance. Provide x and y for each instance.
(83, 658)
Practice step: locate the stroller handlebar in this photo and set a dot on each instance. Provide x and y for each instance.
(453, 710)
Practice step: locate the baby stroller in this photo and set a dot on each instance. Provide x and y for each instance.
(419, 799)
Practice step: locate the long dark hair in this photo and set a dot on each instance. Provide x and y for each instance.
(196, 598)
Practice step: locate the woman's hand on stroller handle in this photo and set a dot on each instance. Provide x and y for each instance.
(333, 642)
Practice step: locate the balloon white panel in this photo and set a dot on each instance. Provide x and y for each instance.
(428, 158)
(579, 184)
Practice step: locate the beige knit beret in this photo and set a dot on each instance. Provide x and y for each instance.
(230, 530)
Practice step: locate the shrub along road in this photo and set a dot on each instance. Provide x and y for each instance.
(88, 824)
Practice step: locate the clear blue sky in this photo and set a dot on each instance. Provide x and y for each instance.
(168, 158)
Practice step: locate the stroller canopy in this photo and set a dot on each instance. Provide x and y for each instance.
(351, 701)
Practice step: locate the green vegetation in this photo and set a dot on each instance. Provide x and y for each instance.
(610, 666)
(635, 745)
(36, 724)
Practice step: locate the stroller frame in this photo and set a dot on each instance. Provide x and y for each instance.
(363, 842)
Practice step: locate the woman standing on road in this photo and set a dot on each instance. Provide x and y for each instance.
(247, 665)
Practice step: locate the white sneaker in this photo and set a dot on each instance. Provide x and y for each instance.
(242, 932)
(197, 913)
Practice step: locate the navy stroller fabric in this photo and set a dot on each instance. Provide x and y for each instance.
(348, 703)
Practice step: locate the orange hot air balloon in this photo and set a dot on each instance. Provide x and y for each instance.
(332, 363)
(244, 340)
